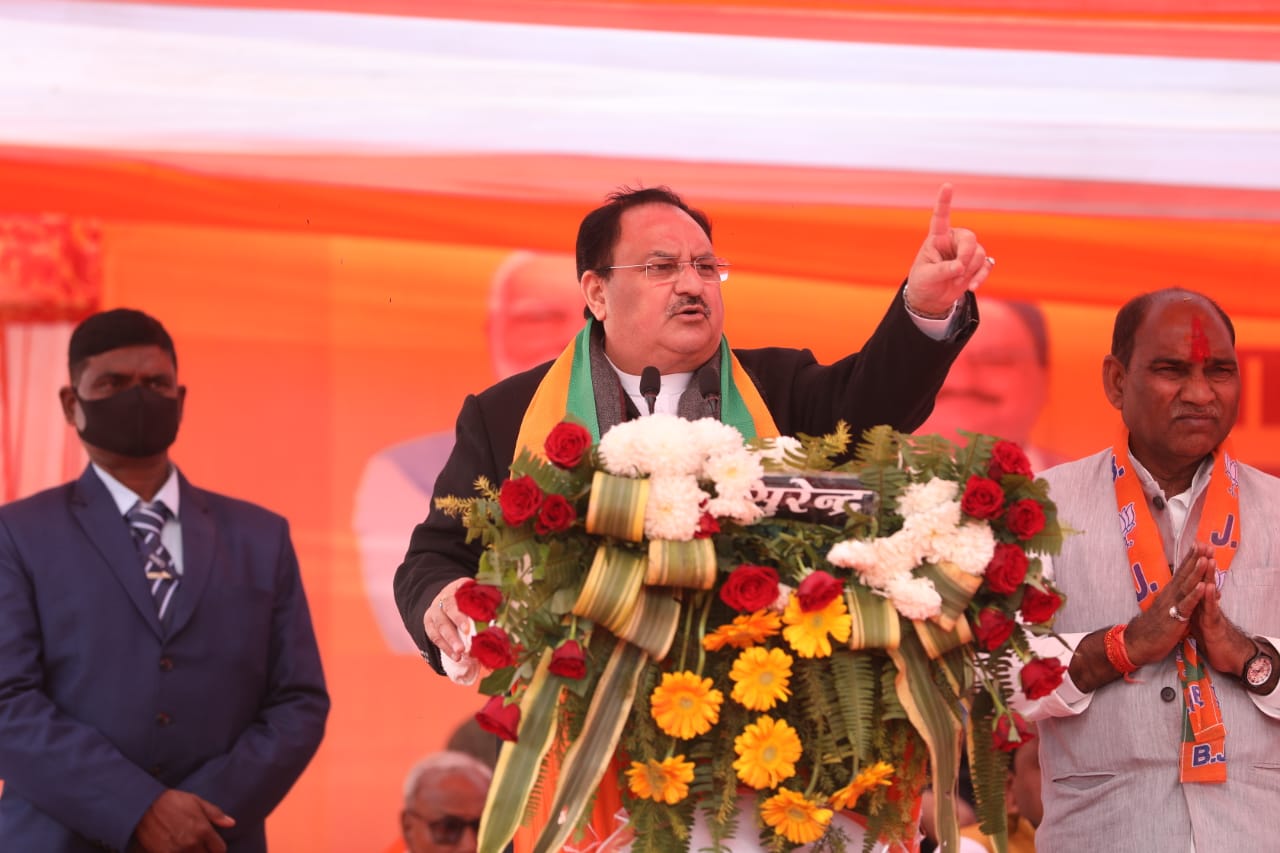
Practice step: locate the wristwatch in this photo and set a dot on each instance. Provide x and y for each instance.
(1257, 669)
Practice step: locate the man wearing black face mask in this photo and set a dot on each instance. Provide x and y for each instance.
(160, 683)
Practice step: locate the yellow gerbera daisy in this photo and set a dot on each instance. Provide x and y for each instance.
(808, 633)
(761, 678)
(684, 705)
(767, 752)
(795, 817)
(880, 773)
(745, 631)
(665, 781)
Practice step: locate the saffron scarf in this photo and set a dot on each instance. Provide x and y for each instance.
(567, 389)
(1203, 752)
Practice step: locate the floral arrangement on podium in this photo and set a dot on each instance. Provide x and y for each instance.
(690, 617)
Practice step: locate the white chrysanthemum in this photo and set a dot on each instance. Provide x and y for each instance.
(937, 523)
(775, 450)
(970, 547)
(877, 561)
(618, 452)
(856, 554)
(658, 444)
(741, 509)
(736, 493)
(674, 507)
(713, 437)
(897, 556)
(666, 447)
(920, 498)
(915, 598)
(735, 472)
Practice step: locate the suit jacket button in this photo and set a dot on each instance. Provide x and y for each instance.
(1168, 694)
(163, 719)
(166, 664)
(155, 770)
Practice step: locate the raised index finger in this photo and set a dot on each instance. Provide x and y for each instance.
(940, 223)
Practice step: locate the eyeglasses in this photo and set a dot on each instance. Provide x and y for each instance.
(666, 270)
(448, 829)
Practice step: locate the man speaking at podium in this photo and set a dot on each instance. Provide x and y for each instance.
(654, 343)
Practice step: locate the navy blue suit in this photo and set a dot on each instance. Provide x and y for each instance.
(102, 708)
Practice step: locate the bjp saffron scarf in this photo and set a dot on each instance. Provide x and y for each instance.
(1203, 753)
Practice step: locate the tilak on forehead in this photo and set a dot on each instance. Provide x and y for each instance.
(1199, 341)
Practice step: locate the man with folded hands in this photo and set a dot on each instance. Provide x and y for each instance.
(1164, 733)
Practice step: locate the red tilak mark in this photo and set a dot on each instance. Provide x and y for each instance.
(1199, 342)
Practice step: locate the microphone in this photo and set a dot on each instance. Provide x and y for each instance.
(650, 382)
(709, 387)
(1157, 502)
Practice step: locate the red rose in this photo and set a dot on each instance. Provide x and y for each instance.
(1008, 458)
(520, 499)
(1039, 606)
(499, 718)
(1007, 569)
(568, 661)
(817, 591)
(478, 600)
(567, 444)
(993, 628)
(556, 515)
(1025, 518)
(492, 648)
(1041, 677)
(983, 498)
(707, 526)
(1007, 726)
(750, 588)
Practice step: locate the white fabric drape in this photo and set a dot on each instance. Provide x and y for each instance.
(136, 76)
(39, 449)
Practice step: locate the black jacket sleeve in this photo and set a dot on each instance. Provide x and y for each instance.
(892, 380)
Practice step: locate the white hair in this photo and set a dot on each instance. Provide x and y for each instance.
(443, 762)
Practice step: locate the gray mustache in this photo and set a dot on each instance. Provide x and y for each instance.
(690, 302)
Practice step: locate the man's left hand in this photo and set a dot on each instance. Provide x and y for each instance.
(950, 262)
(181, 822)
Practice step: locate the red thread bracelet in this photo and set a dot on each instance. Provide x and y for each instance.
(1117, 654)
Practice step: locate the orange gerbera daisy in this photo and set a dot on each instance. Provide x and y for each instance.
(685, 705)
(666, 781)
(795, 817)
(880, 773)
(768, 750)
(745, 631)
(761, 678)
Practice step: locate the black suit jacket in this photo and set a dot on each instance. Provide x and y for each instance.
(893, 380)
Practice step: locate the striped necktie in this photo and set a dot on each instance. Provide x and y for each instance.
(146, 521)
